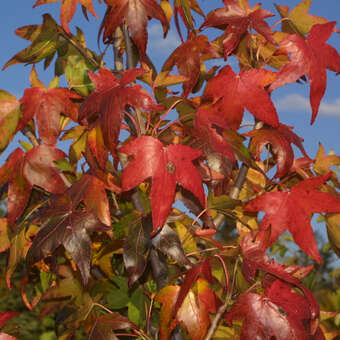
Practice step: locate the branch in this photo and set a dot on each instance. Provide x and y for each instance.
(129, 66)
(118, 58)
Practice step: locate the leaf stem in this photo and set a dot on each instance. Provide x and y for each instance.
(223, 308)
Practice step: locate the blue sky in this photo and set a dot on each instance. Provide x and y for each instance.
(292, 100)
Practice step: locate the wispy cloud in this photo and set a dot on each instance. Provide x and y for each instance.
(297, 102)
(158, 44)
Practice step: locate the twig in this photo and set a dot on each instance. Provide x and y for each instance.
(222, 309)
(34, 141)
(118, 58)
(129, 66)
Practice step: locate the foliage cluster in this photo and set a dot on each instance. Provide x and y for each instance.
(92, 241)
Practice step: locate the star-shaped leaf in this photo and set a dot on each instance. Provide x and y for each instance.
(323, 164)
(262, 318)
(67, 10)
(236, 19)
(299, 21)
(280, 140)
(23, 170)
(62, 225)
(47, 104)
(187, 58)
(233, 93)
(45, 41)
(311, 57)
(193, 313)
(292, 210)
(167, 166)
(110, 99)
(135, 14)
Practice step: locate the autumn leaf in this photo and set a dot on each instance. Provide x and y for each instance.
(110, 99)
(183, 8)
(91, 190)
(262, 318)
(45, 41)
(10, 114)
(292, 210)
(299, 20)
(296, 307)
(211, 127)
(324, 163)
(187, 58)
(136, 249)
(193, 313)
(280, 140)
(135, 14)
(104, 326)
(47, 105)
(167, 166)
(236, 20)
(23, 170)
(63, 225)
(311, 57)
(67, 10)
(231, 94)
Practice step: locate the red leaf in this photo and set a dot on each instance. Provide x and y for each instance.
(6, 316)
(233, 93)
(135, 13)
(47, 105)
(311, 57)
(110, 100)
(293, 209)
(280, 139)
(39, 168)
(187, 58)
(236, 21)
(68, 8)
(63, 225)
(262, 318)
(203, 269)
(167, 166)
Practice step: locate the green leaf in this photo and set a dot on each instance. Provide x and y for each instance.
(136, 308)
(9, 117)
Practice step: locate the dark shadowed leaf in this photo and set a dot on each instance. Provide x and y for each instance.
(136, 249)
(6, 316)
(67, 227)
(168, 242)
(104, 326)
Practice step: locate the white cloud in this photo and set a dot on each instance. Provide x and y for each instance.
(296, 102)
(160, 45)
